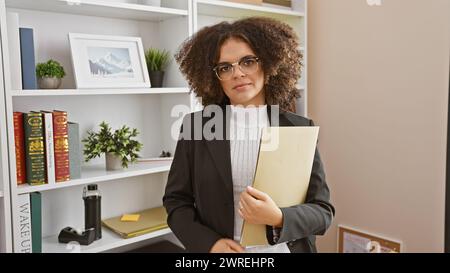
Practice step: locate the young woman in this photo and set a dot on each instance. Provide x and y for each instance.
(248, 69)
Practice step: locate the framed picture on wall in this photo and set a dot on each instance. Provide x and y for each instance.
(351, 240)
(101, 61)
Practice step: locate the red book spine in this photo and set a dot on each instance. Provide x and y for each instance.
(61, 146)
(19, 140)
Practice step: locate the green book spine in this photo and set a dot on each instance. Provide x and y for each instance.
(36, 222)
(34, 148)
(74, 150)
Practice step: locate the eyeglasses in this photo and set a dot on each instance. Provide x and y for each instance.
(248, 65)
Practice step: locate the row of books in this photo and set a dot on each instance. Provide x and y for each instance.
(47, 148)
(21, 58)
(29, 234)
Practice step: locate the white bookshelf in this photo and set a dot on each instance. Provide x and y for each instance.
(149, 109)
(92, 92)
(5, 208)
(109, 241)
(232, 9)
(105, 8)
(97, 173)
(138, 187)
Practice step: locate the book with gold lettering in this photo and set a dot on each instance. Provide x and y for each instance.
(61, 146)
(19, 141)
(283, 171)
(252, 2)
(34, 148)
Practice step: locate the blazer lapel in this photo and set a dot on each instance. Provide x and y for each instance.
(220, 149)
(220, 153)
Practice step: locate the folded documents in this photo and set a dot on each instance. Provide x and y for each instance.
(283, 171)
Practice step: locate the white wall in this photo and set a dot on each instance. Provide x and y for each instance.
(379, 90)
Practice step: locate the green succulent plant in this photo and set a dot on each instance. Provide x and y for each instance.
(50, 69)
(156, 59)
(119, 143)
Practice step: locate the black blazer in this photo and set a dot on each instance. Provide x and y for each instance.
(199, 193)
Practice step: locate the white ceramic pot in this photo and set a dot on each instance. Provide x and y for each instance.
(113, 162)
(49, 83)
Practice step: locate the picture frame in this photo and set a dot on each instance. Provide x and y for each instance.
(104, 61)
(351, 240)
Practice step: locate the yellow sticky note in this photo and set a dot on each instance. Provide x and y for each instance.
(130, 218)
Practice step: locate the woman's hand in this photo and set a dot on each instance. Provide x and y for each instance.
(227, 246)
(256, 207)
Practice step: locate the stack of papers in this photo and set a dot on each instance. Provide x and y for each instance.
(283, 171)
(148, 221)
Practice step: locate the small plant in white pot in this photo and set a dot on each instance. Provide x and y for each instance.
(120, 147)
(49, 74)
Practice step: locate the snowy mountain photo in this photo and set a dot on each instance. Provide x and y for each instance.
(110, 62)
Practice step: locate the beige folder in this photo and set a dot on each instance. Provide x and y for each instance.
(150, 220)
(283, 171)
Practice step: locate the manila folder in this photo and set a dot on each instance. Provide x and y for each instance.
(150, 220)
(283, 171)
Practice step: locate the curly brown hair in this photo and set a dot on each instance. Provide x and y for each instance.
(274, 42)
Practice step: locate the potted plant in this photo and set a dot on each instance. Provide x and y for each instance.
(156, 61)
(120, 147)
(49, 74)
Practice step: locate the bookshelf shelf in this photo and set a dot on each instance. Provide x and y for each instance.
(98, 173)
(91, 92)
(100, 9)
(231, 9)
(163, 27)
(109, 241)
